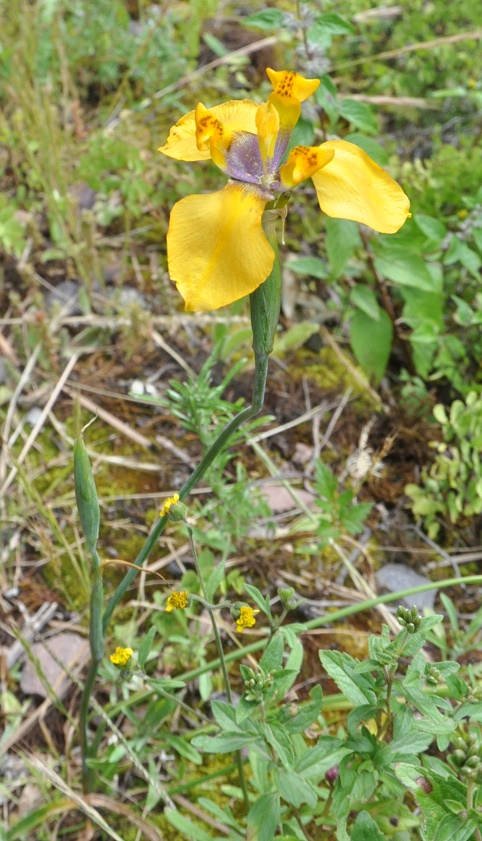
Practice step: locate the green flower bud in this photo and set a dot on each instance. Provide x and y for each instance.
(86, 496)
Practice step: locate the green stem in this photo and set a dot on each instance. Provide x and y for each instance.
(88, 774)
(260, 375)
(265, 307)
(219, 647)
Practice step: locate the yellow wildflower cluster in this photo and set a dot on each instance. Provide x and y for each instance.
(177, 600)
(121, 656)
(246, 618)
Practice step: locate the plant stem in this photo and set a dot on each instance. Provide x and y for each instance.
(265, 308)
(260, 375)
(222, 661)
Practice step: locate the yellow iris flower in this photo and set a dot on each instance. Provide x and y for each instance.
(217, 250)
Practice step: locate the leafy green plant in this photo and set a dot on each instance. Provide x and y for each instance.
(451, 488)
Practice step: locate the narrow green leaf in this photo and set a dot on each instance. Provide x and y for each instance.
(145, 647)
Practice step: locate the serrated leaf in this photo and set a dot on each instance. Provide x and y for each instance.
(358, 689)
(295, 789)
(371, 342)
(266, 20)
(224, 714)
(279, 739)
(335, 24)
(360, 115)
(264, 817)
(365, 829)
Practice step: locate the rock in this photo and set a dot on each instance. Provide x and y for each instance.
(64, 647)
(393, 577)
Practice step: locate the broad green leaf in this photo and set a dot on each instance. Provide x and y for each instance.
(358, 689)
(402, 267)
(278, 738)
(342, 240)
(371, 342)
(459, 251)
(305, 714)
(335, 24)
(224, 714)
(264, 817)
(312, 266)
(266, 19)
(360, 115)
(433, 228)
(296, 790)
(365, 829)
(273, 655)
(364, 299)
(369, 145)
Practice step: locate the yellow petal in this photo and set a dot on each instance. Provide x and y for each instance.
(292, 85)
(352, 186)
(217, 250)
(235, 115)
(303, 162)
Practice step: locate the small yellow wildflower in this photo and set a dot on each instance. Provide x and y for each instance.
(121, 656)
(177, 599)
(246, 618)
(170, 501)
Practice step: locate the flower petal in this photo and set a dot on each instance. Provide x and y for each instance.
(352, 186)
(236, 115)
(286, 83)
(217, 250)
(302, 162)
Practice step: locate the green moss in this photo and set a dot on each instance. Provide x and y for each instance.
(331, 373)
